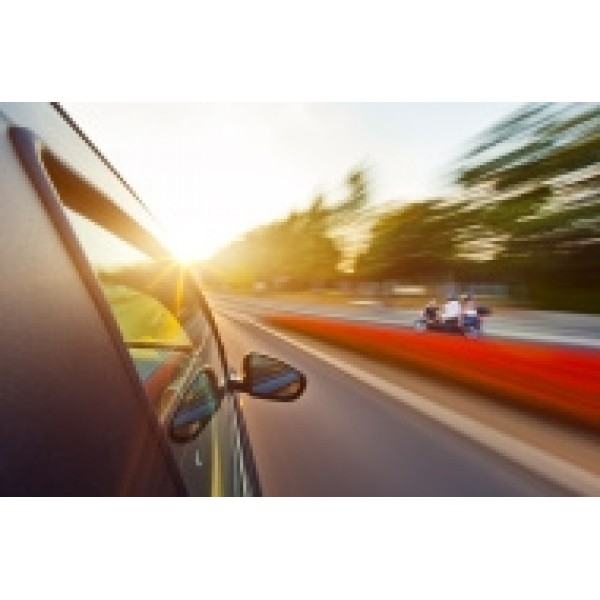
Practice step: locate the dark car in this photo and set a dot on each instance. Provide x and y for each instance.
(114, 379)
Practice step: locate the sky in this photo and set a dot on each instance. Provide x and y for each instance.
(212, 171)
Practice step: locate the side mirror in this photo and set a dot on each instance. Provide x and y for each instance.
(200, 402)
(269, 378)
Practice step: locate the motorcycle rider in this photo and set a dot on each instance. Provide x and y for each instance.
(451, 312)
(430, 312)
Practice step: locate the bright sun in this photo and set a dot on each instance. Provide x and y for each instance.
(186, 248)
(189, 241)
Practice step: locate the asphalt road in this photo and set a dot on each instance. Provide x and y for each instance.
(345, 438)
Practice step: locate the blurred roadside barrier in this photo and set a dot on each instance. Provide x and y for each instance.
(555, 379)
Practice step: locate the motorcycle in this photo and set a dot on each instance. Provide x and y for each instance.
(469, 326)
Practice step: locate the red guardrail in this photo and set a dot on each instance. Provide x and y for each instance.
(562, 380)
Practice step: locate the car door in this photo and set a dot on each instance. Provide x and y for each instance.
(159, 334)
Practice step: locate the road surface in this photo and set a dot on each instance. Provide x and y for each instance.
(344, 437)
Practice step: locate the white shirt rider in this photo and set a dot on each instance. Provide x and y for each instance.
(451, 309)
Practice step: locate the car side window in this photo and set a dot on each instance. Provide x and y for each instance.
(156, 308)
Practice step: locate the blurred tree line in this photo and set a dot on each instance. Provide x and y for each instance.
(304, 250)
(527, 215)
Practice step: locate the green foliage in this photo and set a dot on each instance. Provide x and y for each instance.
(530, 214)
(544, 196)
(407, 243)
(302, 250)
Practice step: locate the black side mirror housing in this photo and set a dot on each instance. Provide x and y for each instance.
(200, 403)
(269, 378)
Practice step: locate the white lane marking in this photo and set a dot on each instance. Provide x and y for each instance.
(198, 459)
(548, 466)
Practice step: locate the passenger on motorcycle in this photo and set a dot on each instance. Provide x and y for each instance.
(469, 316)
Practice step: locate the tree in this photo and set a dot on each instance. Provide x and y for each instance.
(529, 213)
(349, 221)
(300, 251)
(534, 180)
(294, 252)
(406, 243)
